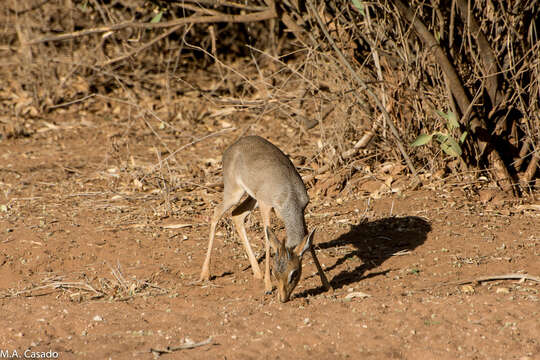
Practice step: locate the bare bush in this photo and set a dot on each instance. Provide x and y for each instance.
(369, 77)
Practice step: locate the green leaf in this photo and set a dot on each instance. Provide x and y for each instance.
(359, 6)
(157, 18)
(452, 121)
(422, 139)
(451, 147)
(440, 137)
(463, 137)
(442, 114)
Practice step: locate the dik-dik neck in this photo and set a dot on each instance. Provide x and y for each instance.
(295, 226)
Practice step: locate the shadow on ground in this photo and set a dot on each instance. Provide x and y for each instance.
(372, 244)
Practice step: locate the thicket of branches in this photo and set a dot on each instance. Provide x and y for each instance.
(372, 76)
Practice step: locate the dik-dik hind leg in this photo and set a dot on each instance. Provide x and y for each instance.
(265, 214)
(231, 196)
(239, 215)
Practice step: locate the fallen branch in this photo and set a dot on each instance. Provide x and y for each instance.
(498, 277)
(189, 345)
(485, 279)
(269, 13)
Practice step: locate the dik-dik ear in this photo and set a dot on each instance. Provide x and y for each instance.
(277, 245)
(304, 245)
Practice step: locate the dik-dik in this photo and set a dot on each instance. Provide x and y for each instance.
(255, 166)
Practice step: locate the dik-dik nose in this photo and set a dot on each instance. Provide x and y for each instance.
(283, 295)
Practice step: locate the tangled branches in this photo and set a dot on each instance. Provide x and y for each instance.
(464, 73)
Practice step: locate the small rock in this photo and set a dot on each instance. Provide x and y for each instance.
(97, 318)
(503, 290)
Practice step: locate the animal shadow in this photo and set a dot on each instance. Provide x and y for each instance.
(373, 242)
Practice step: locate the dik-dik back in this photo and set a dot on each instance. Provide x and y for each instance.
(265, 173)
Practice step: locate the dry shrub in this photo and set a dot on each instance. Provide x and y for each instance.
(405, 73)
(289, 68)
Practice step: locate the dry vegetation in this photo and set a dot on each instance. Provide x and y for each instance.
(113, 116)
(368, 76)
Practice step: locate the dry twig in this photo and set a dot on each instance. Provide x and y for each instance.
(484, 279)
(188, 345)
(258, 16)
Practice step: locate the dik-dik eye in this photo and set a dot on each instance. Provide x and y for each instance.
(292, 275)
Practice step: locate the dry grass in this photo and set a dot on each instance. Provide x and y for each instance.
(116, 287)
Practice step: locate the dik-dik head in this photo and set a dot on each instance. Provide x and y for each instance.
(287, 267)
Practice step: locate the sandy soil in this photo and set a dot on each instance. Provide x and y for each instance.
(101, 249)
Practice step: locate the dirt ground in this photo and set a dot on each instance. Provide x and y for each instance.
(102, 245)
